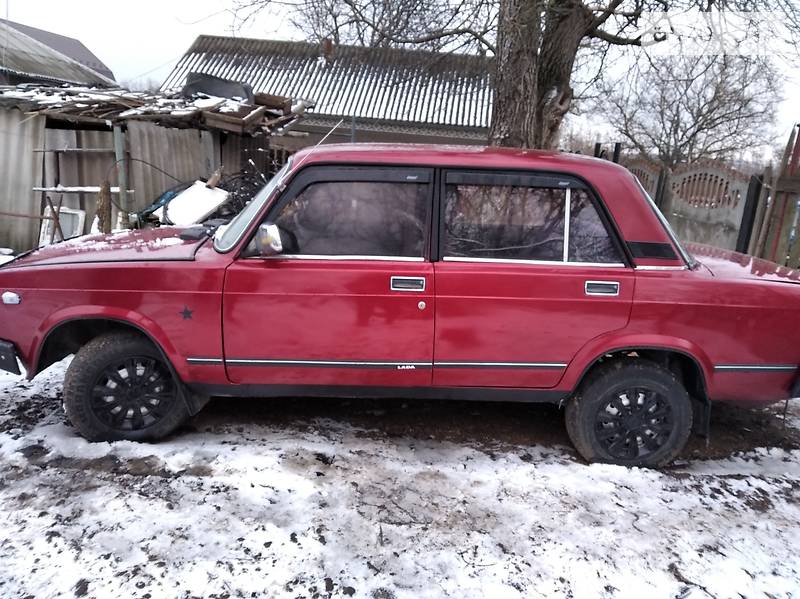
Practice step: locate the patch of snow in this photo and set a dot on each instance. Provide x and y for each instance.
(166, 242)
(77, 189)
(207, 103)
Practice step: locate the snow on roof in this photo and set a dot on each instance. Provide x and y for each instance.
(385, 84)
(267, 113)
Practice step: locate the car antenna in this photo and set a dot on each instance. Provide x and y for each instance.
(327, 135)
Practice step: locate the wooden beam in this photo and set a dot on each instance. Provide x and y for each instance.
(31, 216)
(788, 184)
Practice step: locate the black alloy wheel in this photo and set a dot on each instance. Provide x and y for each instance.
(631, 412)
(119, 387)
(133, 394)
(634, 423)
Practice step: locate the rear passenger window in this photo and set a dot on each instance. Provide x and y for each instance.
(504, 221)
(357, 218)
(524, 223)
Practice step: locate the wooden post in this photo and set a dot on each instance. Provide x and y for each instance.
(748, 214)
(122, 169)
(759, 221)
(767, 224)
(56, 221)
(104, 208)
(661, 188)
(779, 206)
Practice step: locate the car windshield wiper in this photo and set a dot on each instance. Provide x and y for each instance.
(203, 231)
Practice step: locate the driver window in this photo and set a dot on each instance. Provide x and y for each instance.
(356, 218)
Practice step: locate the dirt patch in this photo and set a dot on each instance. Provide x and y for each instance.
(111, 464)
(24, 414)
(485, 425)
(738, 429)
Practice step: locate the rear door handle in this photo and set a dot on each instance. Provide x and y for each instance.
(407, 284)
(607, 288)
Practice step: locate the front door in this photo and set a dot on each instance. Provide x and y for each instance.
(350, 301)
(530, 272)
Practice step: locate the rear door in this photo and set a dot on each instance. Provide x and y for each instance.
(529, 272)
(350, 301)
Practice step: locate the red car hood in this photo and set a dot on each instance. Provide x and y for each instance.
(733, 265)
(163, 243)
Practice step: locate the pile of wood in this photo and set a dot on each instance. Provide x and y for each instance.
(265, 115)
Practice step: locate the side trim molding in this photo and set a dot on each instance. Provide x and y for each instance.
(327, 363)
(544, 365)
(371, 364)
(201, 361)
(755, 367)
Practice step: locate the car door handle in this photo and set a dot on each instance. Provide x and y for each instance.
(601, 288)
(407, 284)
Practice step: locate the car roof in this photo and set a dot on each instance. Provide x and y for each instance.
(619, 189)
(451, 155)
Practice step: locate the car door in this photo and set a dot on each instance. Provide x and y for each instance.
(530, 271)
(350, 300)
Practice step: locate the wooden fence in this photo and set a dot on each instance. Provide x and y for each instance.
(775, 228)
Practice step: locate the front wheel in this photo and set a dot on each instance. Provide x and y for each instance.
(631, 413)
(118, 387)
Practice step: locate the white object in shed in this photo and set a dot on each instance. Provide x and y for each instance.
(193, 205)
(70, 219)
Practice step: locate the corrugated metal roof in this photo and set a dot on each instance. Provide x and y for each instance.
(24, 56)
(69, 46)
(386, 84)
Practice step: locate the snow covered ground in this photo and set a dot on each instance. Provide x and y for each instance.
(362, 500)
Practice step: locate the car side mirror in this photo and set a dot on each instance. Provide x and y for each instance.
(268, 240)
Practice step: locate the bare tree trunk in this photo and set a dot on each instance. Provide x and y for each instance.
(537, 42)
(566, 25)
(518, 36)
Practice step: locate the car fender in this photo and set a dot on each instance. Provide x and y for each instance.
(616, 341)
(91, 312)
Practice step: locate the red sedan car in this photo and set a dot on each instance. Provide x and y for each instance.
(419, 272)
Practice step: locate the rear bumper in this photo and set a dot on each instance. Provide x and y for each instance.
(8, 357)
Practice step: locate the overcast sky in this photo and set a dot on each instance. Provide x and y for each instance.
(143, 40)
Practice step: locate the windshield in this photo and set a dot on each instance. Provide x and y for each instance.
(227, 237)
(687, 257)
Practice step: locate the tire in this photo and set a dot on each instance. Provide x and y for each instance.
(605, 428)
(118, 387)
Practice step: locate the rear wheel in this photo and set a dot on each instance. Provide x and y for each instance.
(631, 413)
(118, 387)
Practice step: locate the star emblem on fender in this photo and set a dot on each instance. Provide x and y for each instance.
(186, 313)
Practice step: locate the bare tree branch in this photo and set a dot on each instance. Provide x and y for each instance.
(683, 109)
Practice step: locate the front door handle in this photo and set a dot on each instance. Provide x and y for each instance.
(607, 288)
(407, 284)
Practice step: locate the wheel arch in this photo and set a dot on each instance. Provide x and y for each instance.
(692, 369)
(679, 361)
(68, 336)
